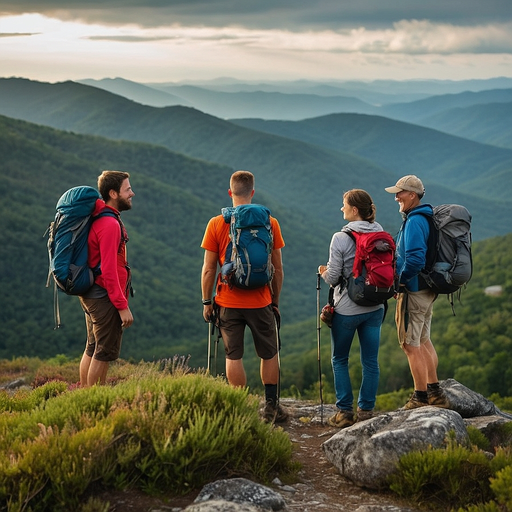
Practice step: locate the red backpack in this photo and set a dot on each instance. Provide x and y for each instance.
(373, 279)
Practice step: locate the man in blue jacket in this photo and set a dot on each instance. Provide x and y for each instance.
(416, 299)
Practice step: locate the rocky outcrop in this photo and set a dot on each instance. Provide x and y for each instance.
(236, 494)
(468, 403)
(368, 452)
(219, 505)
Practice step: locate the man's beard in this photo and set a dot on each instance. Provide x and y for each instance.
(123, 205)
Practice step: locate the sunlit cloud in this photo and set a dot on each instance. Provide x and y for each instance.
(412, 48)
(408, 37)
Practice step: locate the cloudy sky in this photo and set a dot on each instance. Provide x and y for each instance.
(172, 40)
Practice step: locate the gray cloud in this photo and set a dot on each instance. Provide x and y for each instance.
(284, 14)
(17, 34)
(128, 39)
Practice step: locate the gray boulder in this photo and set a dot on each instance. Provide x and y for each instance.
(15, 384)
(239, 491)
(222, 506)
(468, 403)
(368, 452)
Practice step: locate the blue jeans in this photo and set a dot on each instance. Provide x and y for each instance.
(343, 329)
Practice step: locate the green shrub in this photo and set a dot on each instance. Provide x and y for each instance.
(503, 403)
(157, 430)
(26, 400)
(490, 506)
(94, 505)
(392, 401)
(453, 477)
(502, 487)
(478, 439)
(501, 459)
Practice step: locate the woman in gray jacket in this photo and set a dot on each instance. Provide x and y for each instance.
(358, 209)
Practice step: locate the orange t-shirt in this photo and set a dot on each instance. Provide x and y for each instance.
(216, 239)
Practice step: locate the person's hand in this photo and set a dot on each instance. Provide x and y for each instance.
(126, 317)
(208, 313)
(322, 269)
(401, 289)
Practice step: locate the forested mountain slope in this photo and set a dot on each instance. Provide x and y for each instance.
(175, 198)
(488, 123)
(457, 163)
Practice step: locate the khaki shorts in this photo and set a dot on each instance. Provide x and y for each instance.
(104, 330)
(261, 322)
(413, 316)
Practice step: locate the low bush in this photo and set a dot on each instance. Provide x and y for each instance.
(159, 431)
(456, 477)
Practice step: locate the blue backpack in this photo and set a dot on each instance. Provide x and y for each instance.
(248, 262)
(67, 243)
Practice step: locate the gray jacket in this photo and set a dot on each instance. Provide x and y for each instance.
(341, 260)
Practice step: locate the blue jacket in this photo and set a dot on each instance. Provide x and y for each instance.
(411, 247)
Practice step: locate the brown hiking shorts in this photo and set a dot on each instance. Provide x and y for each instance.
(104, 330)
(261, 322)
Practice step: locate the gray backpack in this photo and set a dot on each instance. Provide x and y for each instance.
(449, 263)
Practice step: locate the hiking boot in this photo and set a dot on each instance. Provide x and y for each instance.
(274, 413)
(437, 398)
(414, 402)
(342, 419)
(363, 415)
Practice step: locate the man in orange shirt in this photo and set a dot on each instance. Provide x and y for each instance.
(240, 307)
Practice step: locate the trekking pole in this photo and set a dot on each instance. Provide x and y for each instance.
(209, 347)
(318, 327)
(277, 318)
(215, 351)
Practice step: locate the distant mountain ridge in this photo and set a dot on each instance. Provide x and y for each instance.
(137, 92)
(299, 100)
(426, 103)
(415, 111)
(268, 104)
(289, 170)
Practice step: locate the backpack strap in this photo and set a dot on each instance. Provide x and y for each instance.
(342, 281)
(432, 243)
(432, 240)
(107, 212)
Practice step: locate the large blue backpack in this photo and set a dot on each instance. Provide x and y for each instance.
(67, 243)
(67, 240)
(248, 262)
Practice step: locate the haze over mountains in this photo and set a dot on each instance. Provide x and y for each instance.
(427, 103)
(180, 159)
